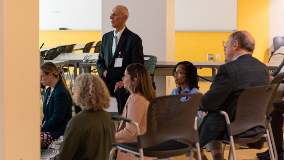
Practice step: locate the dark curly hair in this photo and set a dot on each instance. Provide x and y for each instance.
(191, 74)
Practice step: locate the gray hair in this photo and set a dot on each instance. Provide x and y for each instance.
(243, 41)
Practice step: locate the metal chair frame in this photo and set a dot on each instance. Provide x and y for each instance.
(264, 123)
(154, 107)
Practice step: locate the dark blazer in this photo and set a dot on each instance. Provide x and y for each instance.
(130, 45)
(58, 112)
(232, 78)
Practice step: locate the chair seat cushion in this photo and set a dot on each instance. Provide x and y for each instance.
(167, 149)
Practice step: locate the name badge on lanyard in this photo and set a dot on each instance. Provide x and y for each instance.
(118, 61)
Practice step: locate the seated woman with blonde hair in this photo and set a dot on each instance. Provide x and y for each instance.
(57, 105)
(137, 81)
(88, 134)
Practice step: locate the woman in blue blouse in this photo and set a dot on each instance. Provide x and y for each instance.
(185, 74)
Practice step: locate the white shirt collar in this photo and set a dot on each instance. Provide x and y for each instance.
(118, 34)
(237, 57)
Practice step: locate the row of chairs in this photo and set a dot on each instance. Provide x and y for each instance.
(172, 126)
(54, 52)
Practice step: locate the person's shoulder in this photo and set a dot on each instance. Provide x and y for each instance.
(139, 99)
(194, 90)
(174, 91)
(132, 34)
(108, 33)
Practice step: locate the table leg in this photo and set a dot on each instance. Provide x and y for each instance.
(80, 69)
(213, 73)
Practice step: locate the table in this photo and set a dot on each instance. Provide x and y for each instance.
(76, 48)
(59, 64)
(82, 65)
(75, 59)
(165, 68)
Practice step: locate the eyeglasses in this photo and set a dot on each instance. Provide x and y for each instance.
(177, 73)
(224, 44)
(42, 76)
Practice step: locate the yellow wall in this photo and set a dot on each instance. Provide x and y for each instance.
(253, 16)
(55, 38)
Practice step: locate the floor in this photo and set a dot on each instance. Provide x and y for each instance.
(242, 154)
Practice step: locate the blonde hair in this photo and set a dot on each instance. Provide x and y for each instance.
(143, 85)
(49, 67)
(90, 92)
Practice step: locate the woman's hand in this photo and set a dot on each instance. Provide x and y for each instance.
(118, 85)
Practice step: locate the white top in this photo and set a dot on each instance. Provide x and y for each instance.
(118, 35)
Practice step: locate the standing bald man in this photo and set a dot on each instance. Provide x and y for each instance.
(242, 71)
(119, 48)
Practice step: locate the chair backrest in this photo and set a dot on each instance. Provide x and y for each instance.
(251, 109)
(98, 47)
(69, 48)
(51, 54)
(60, 49)
(277, 80)
(43, 53)
(88, 47)
(278, 42)
(150, 64)
(169, 118)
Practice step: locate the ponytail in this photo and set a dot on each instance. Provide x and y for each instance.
(63, 81)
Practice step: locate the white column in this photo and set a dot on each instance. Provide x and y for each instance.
(276, 21)
(154, 22)
(19, 80)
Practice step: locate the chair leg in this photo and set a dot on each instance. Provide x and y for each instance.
(191, 155)
(233, 148)
(111, 153)
(270, 146)
(230, 151)
(223, 150)
(272, 141)
(198, 151)
(141, 154)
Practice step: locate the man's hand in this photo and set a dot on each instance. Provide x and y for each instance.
(105, 73)
(270, 78)
(118, 85)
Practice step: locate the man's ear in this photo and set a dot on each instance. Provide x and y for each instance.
(125, 17)
(236, 45)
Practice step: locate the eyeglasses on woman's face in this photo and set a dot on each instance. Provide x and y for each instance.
(177, 73)
(42, 76)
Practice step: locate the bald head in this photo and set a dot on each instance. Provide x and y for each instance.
(245, 40)
(122, 10)
(119, 15)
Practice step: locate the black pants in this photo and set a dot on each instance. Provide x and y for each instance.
(276, 125)
(121, 95)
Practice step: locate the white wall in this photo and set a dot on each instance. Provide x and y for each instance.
(147, 18)
(70, 14)
(276, 21)
(206, 15)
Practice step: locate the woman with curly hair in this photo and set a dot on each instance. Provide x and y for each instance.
(88, 134)
(137, 81)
